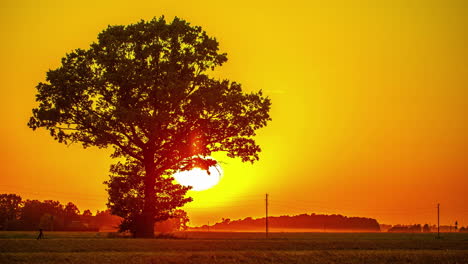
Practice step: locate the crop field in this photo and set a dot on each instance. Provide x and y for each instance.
(217, 247)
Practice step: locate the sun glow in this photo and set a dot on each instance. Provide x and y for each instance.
(198, 178)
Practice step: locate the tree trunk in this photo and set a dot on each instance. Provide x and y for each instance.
(145, 227)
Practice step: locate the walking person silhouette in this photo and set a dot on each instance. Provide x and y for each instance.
(41, 235)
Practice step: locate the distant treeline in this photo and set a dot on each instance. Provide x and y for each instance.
(16, 214)
(311, 222)
(422, 229)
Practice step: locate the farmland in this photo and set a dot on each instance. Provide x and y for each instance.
(216, 247)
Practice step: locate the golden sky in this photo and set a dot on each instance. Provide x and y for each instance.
(369, 111)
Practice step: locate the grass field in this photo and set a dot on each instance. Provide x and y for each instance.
(214, 247)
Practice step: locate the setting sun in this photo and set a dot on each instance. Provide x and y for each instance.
(200, 179)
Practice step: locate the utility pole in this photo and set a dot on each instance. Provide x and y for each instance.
(438, 220)
(266, 215)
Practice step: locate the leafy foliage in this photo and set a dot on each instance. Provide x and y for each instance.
(144, 89)
(16, 214)
(126, 187)
(304, 221)
(36, 214)
(9, 208)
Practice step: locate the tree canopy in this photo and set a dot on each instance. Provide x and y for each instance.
(144, 89)
(9, 208)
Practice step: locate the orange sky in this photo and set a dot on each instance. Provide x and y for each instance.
(369, 105)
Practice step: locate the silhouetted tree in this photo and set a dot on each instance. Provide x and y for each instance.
(426, 228)
(182, 219)
(126, 187)
(10, 205)
(87, 213)
(87, 218)
(144, 89)
(406, 229)
(71, 212)
(49, 215)
(32, 213)
(303, 221)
